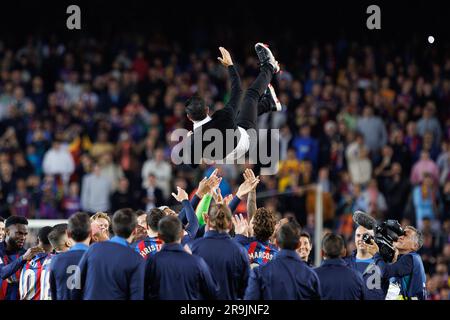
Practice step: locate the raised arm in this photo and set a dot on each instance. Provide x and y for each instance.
(249, 187)
(251, 204)
(236, 87)
(182, 197)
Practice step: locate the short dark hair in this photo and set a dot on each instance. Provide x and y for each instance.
(288, 236)
(79, 226)
(140, 212)
(154, 217)
(169, 229)
(332, 245)
(2, 219)
(196, 108)
(124, 221)
(306, 235)
(43, 234)
(15, 220)
(56, 234)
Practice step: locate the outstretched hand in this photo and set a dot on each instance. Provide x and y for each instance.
(226, 57)
(248, 185)
(182, 195)
(217, 196)
(208, 185)
(241, 225)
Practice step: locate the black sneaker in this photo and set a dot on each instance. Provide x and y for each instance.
(265, 56)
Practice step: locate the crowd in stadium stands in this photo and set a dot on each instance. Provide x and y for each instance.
(85, 126)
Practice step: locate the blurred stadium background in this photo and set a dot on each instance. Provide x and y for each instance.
(111, 93)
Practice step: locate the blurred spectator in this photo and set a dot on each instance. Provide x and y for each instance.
(428, 123)
(373, 130)
(373, 201)
(358, 161)
(306, 146)
(396, 189)
(95, 191)
(424, 165)
(161, 169)
(152, 196)
(102, 145)
(20, 200)
(110, 170)
(443, 163)
(122, 197)
(72, 202)
(58, 160)
(288, 169)
(426, 200)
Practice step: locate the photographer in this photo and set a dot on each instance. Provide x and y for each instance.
(407, 267)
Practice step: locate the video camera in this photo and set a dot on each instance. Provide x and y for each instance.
(385, 233)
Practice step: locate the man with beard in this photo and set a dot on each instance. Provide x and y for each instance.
(13, 256)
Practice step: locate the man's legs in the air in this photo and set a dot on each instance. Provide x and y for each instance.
(269, 101)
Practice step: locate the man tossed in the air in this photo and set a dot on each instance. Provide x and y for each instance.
(233, 121)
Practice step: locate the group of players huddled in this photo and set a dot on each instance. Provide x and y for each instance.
(207, 253)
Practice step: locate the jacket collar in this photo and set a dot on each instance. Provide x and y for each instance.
(335, 262)
(198, 124)
(79, 246)
(289, 254)
(216, 235)
(120, 240)
(172, 247)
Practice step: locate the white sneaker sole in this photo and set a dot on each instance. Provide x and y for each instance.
(260, 44)
(275, 98)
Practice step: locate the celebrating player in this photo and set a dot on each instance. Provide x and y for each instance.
(173, 273)
(30, 277)
(64, 271)
(13, 256)
(112, 270)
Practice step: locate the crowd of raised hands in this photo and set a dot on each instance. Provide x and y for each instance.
(210, 186)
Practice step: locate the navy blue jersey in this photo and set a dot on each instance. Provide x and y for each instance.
(408, 272)
(339, 282)
(259, 253)
(64, 271)
(375, 287)
(174, 274)
(286, 277)
(11, 264)
(228, 262)
(111, 270)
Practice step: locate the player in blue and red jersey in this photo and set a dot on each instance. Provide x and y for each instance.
(30, 276)
(256, 236)
(13, 256)
(60, 242)
(259, 248)
(151, 244)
